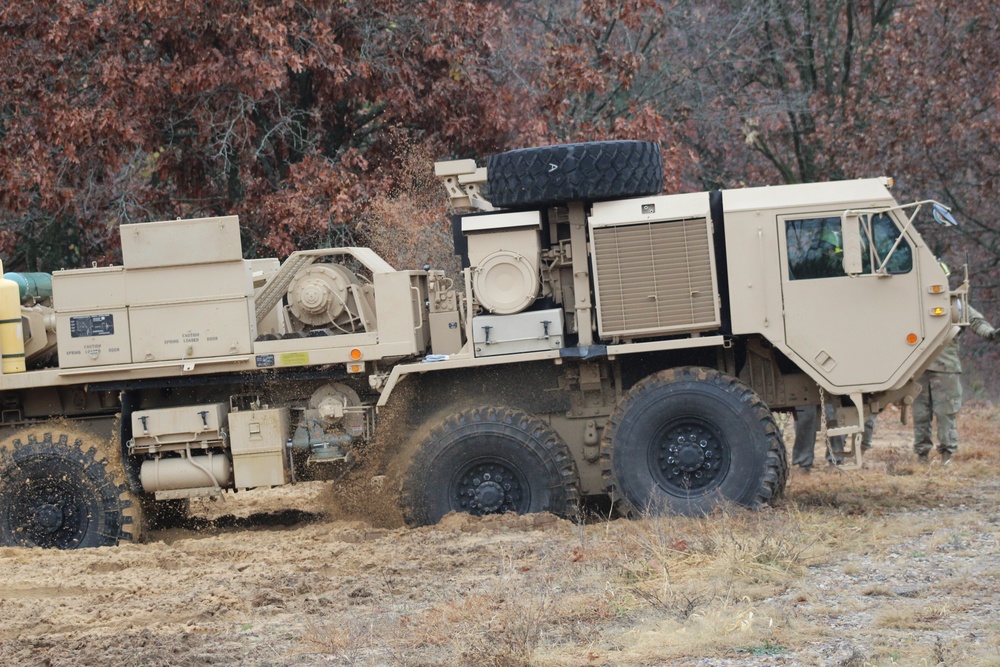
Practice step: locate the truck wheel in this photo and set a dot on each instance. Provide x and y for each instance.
(490, 461)
(574, 172)
(686, 440)
(56, 493)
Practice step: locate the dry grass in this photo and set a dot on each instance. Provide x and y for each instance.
(498, 623)
(856, 568)
(892, 479)
(736, 545)
(913, 617)
(738, 584)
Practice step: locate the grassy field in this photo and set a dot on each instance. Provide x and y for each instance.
(896, 563)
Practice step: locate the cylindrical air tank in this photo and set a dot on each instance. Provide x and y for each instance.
(198, 471)
(33, 286)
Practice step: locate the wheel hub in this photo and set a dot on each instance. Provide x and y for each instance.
(48, 517)
(490, 496)
(489, 488)
(689, 457)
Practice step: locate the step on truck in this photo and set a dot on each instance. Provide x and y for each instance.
(604, 339)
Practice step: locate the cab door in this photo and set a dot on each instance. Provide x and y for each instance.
(853, 330)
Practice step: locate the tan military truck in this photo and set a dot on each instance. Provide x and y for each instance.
(606, 340)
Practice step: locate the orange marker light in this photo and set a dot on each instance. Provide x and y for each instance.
(355, 354)
(937, 289)
(911, 338)
(937, 311)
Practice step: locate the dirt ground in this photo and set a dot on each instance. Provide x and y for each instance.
(892, 564)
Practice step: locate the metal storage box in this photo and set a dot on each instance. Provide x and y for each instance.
(93, 338)
(189, 423)
(504, 255)
(534, 331)
(181, 242)
(197, 329)
(86, 289)
(172, 284)
(258, 441)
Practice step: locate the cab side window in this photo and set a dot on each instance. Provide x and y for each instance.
(815, 250)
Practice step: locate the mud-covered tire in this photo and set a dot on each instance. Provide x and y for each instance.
(56, 492)
(574, 172)
(489, 461)
(686, 440)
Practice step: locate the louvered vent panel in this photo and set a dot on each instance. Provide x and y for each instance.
(654, 278)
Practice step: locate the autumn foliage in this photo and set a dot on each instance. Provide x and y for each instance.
(288, 113)
(306, 117)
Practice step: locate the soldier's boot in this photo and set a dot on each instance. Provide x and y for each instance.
(945, 458)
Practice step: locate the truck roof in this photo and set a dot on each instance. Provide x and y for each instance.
(860, 193)
(865, 192)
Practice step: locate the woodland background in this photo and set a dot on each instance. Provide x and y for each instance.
(317, 121)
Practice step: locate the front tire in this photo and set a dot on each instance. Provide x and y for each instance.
(687, 440)
(55, 492)
(490, 461)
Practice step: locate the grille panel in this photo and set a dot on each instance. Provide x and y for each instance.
(654, 278)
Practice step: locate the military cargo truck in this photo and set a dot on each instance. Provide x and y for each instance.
(603, 340)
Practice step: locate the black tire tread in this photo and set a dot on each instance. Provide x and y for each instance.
(560, 173)
(551, 449)
(122, 514)
(772, 484)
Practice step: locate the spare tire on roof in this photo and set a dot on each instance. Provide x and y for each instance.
(574, 172)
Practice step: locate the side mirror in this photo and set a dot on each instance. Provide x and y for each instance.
(942, 215)
(850, 233)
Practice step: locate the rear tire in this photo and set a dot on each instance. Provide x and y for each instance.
(58, 493)
(574, 172)
(687, 440)
(490, 461)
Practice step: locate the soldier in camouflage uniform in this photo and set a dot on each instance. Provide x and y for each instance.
(941, 396)
(803, 451)
(869, 433)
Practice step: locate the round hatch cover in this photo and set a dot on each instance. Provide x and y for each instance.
(505, 283)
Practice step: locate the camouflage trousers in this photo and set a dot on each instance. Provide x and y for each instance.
(806, 426)
(940, 396)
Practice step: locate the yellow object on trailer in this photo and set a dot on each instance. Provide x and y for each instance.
(11, 331)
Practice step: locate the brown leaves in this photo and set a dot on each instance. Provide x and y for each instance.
(283, 111)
